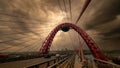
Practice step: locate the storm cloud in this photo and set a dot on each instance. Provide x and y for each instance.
(28, 22)
(106, 22)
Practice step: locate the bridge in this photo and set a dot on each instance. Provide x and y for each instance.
(45, 58)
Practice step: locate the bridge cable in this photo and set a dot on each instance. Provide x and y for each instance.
(71, 40)
(34, 47)
(58, 1)
(13, 46)
(65, 7)
(13, 40)
(81, 48)
(16, 38)
(83, 10)
(32, 44)
(16, 45)
(70, 8)
(6, 14)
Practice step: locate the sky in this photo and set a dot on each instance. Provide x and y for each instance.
(24, 24)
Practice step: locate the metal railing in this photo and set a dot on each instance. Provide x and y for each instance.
(48, 62)
(105, 64)
(68, 62)
(58, 63)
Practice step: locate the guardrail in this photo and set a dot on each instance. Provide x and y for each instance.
(68, 63)
(106, 64)
(47, 62)
(57, 63)
(4, 59)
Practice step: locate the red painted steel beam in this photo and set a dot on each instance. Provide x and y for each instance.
(96, 52)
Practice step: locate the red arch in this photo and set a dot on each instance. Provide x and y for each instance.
(96, 52)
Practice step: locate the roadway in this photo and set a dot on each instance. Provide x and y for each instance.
(65, 64)
(77, 64)
(24, 63)
(31, 62)
(90, 62)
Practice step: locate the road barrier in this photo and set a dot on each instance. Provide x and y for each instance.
(48, 62)
(105, 64)
(67, 62)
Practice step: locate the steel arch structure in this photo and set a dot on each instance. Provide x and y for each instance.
(95, 50)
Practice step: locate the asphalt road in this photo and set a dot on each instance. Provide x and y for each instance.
(24, 63)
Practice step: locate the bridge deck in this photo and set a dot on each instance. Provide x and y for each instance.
(77, 64)
(24, 63)
(66, 64)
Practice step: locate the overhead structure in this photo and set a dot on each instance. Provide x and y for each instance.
(95, 50)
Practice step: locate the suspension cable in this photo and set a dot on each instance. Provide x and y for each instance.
(81, 49)
(17, 38)
(14, 16)
(70, 10)
(71, 40)
(58, 1)
(65, 6)
(12, 47)
(16, 45)
(14, 39)
(34, 48)
(64, 3)
(83, 10)
(32, 44)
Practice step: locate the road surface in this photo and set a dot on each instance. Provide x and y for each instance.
(24, 63)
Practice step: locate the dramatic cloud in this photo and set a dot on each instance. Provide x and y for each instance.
(24, 24)
(106, 21)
